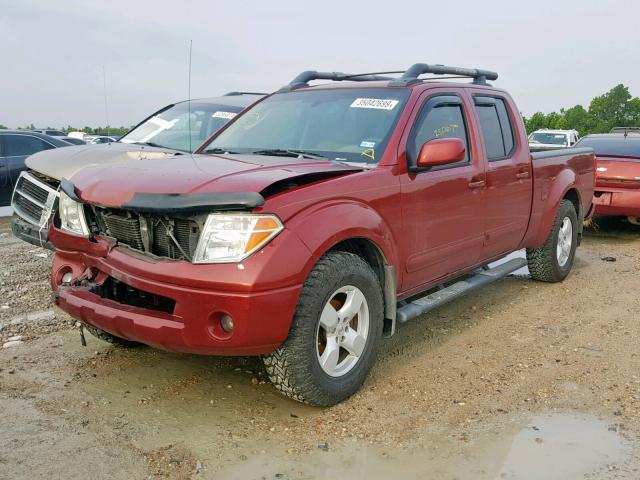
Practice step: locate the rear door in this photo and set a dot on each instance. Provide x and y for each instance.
(508, 175)
(442, 207)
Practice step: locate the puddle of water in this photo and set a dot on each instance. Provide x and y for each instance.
(562, 446)
(549, 447)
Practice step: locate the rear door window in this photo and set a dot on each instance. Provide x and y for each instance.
(497, 130)
(23, 145)
(441, 116)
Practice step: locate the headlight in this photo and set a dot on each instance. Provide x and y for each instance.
(72, 216)
(231, 238)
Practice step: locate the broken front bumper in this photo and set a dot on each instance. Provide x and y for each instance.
(176, 305)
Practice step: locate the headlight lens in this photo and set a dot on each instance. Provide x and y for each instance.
(231, 238)
(72, 216)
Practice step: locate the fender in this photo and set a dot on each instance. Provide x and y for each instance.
(564, 181)
(324, 225)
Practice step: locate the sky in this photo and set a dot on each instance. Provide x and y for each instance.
(55, 56)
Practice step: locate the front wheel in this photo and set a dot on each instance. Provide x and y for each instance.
(552, 262)
(334, 335)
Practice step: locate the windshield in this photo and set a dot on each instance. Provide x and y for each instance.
(603, 146)
(348, 125)
(170, 128)
(549, 138)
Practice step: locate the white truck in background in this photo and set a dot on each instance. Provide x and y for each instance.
(546, 139)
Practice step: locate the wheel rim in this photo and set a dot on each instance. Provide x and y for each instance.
(565, 238)
(342, 331)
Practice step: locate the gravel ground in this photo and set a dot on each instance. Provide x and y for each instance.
(519, 380)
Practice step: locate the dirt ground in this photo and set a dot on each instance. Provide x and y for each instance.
(520, 380)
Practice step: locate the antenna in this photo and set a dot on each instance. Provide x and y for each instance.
(189, 96)
(106, 108)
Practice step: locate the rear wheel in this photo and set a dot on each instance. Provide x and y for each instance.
(552, 262)
(334, 335)
(107, 337)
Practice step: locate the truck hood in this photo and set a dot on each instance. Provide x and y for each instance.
(59, 163)
(198, 175)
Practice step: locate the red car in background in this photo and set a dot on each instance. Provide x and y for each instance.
(617, 190)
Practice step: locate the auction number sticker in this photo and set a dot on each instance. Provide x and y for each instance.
(227, 115)
(377, 103)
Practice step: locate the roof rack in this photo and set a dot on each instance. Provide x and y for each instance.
(625, 130)
(302, 79)
(234, 94)
(408, 76)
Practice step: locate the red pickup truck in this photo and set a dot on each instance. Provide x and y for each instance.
(315, 221)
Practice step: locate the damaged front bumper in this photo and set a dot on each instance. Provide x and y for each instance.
(173, 304)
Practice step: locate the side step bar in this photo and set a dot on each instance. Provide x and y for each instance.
(429, 302)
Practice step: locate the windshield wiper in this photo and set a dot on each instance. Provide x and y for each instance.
(221, 150)
(288, 152)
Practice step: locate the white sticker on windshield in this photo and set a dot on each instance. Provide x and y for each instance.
(378, 103)
(227, 115)
(365, 144)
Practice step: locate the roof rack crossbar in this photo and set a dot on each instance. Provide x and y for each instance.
(407, 78)
(479, 76)
(302, 79)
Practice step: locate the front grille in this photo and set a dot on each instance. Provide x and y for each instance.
(31, 198)
(174, 238)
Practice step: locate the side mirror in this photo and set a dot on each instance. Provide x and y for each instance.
(441, 151)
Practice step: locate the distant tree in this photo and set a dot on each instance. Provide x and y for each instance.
(616, 108)
(3, 127)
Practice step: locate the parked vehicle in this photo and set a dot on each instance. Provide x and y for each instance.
(625, 130)
(15, 147)
(161, 135)
(617, 191)
(52, 132)
(546, 139)
(315, 221)
(98, 139)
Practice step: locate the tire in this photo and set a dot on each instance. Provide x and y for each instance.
(112, 339)
(547, 263)
(302, 367)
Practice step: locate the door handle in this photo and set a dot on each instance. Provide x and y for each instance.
(477, 184)
(522, 175)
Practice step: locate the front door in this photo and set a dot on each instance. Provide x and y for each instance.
(442, 207)
(509, 176)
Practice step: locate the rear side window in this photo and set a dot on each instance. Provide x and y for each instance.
(22, 145)
(496, 126)
(440, 117)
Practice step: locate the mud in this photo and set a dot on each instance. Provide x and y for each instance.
(519, 380)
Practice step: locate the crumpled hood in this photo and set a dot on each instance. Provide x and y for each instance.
(115, 185)
(65, 162)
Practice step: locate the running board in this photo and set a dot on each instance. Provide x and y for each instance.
(429, 302)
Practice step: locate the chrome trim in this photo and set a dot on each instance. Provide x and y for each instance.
(47, 207)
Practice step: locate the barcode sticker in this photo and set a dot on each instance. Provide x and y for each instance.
(377, 103)
(227, 115)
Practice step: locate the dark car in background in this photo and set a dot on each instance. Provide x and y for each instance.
(15, 147)
(617, 191)
(172, 131)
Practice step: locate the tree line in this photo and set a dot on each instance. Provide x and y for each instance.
(616, 108)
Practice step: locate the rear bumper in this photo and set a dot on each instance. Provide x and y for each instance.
(261, 308)
(30, 233)
(617, 202)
